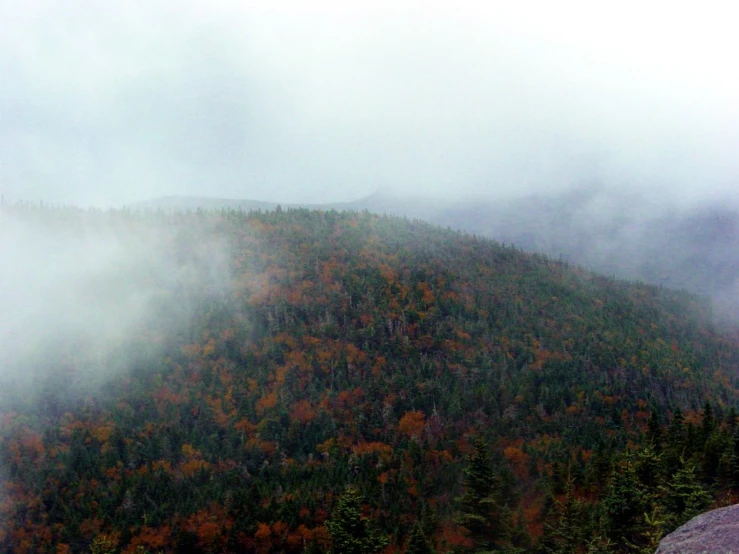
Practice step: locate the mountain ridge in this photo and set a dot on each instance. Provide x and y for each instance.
(608, 231)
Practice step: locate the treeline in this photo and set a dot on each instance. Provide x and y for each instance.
(367, 381)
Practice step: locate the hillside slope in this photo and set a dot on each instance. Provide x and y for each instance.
(612, 232)
(283, 355)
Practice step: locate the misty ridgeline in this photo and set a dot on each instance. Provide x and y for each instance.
(298, 380)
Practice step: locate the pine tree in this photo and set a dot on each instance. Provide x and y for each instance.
(352, 533)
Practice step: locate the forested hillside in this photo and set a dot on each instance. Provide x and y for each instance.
(611, 231)
(316, 381)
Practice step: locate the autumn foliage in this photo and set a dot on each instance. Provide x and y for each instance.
(328, 349)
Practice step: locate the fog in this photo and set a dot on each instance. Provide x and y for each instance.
(324, 102)
(110, 104)
(327, 102)
(89, 295)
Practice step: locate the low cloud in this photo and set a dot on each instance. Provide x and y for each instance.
(84, 292)
(327, 102)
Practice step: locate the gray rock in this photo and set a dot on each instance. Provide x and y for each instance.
(715, 532)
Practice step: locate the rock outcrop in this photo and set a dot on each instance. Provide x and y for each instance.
(715, 532)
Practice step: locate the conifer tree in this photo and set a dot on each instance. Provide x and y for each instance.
(517, 537)
(352, 533)
(709, 421)
(676, 443)
(563, 534)
(717, 443)
(599, 468)
(654, 530)
(481, 512)
(728, 466)
(654, 432)
(676, 431)
(731, 420)
(685, 496)
(428, 520)
(648, 465)
(625, 504)
(418, 543)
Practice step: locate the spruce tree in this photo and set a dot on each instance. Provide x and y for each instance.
(352, 533)
(676, 443)
(625, 504)
(685, 496)
(481, 512)
(648, 466)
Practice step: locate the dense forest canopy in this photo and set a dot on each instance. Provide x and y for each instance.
(609, 230)
(293, 380)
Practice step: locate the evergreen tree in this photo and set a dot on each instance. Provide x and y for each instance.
(731, 420)
(418, 543)
(599, 468)
(517, 537)
(717, 443)
(564, 534)
(428, 520)
(728, 464)
(596, 537)
(675, 444)
(481, 511)
(625, 504)
(648, 465)
(103, 544)
(654, 432)
(352, 533)
(709, 421)
(599, 543)
(654, 530)
(676, 431)
(685, 496)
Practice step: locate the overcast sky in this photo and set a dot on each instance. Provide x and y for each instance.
(116, 102)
